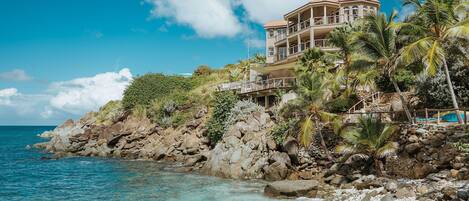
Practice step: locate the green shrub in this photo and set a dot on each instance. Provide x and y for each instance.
(149, 87)
(342, 104)
(109, 113)
(405, 79)
(281, 130)
(203, 70)
(174, 109)
(222, 104)
(139, 112)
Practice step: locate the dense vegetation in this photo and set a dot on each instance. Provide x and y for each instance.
(222, 104)
(148, 87)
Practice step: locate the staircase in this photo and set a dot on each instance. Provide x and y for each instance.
(371, 103)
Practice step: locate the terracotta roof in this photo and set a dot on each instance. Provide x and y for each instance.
(275, 23)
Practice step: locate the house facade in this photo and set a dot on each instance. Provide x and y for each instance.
(287, 39)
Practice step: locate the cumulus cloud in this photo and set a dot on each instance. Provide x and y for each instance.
(15, 75)
(6, 96)
(85, 94)
(218, 18)
(209, 18)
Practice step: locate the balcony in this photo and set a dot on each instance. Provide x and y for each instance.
(293, 50)
(322, 43)
(276, 83)
(280, 37)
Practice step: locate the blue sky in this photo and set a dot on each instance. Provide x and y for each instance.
(54, 53)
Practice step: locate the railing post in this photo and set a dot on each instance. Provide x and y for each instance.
(438, 119)
(415, 117)
(426, 116)
(465, 117)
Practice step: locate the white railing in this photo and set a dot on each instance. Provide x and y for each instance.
(230, 86)
(280, 37)
(305, 24)
(293, 28)
(318, 21)
(293, 49)
(362, 104)
(275, 83)
(305, 46)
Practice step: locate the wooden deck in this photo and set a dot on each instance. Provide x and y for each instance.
(259, 86)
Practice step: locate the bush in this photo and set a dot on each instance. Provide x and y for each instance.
(173, 110)
(149, 87)
(241, 111)
(405, 79)
(139, 112)
(342, 104)
(203, 70)
(223, 102)
(281, 130)
(109, 113)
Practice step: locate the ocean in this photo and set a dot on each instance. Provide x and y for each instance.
(27, 174)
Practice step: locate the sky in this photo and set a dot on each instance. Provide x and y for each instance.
(60, 59)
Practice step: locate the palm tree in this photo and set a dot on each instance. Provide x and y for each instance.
(378, 40)
(371, 139)
(244, 68)
(315, 86)
(439, 21)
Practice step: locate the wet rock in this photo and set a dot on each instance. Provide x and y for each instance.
(288, 188)
(413, 148)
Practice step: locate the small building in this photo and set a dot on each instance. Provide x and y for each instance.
(287, 39)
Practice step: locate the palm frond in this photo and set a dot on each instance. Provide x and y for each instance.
(386, 134)
(460, 30)
(388, 149)
(345, 149)
(306, 131)
(434, 58)
(415, 51)
(356, 157)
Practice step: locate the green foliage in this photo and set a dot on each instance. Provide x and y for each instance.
(109, 113)
(222, 104)
(342, 104)
(241, 110)
(203, 70)
(281, 130)
(370, 139)
(174, 109)
(149, 87)
(139, 112)
(404, 78)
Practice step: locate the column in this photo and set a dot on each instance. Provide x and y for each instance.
(266, 102)
(299, 43)
(299, 21)
(341, 15)
(325, 15)
(360, 11)
(288, 46)
(311, 38)
(288, 27)
(311, 19)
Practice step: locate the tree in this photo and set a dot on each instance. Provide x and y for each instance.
(441, 20)
(315, 86)
(369, 140)
(378, 40)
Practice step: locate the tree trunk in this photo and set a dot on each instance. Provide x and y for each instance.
(323, 143)
(378, 167)
(404, 102)
(451, 91)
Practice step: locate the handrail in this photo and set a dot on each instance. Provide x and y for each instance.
(374, 96)
(274, 83)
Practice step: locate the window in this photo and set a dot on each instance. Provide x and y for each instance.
(271, 33)
(347, 14)
(271, 51)
(355, 12)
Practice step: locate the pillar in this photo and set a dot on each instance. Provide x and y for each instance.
(360, 11)
(299, 21)
(311, 20)
(325, 15)
(341, 15)
(311, 38)
(266, 101)
(288, 46)
(288, 27)
(299, 43)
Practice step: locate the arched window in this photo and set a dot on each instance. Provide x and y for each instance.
(355, 12)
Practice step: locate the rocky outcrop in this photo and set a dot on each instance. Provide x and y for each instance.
(429, 149)
(287, 188)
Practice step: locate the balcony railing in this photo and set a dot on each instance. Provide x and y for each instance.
(305, 46)
(276, 83)
(305, 24)
(280, 37)
(293, 49)
(322, 43)
(293, 28)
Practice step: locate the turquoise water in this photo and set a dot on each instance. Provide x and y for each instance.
(25, 176)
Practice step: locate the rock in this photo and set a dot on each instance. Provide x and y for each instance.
(201, 113)
(271, 144)
(423, 189)
(413, 138)
(463, 194)
(290, 145)
(391, 186)
(286, 188)
(276, 171)
(280, 157)
(454, 173)
(387, 197)
(338, 180)
(405, 192)
(412, 148)
(449, 193)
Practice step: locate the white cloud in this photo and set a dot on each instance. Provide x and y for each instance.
(212, 18)
(85, 94)
(405, 12)
(15, 75)
(255, 43)
(6, 95)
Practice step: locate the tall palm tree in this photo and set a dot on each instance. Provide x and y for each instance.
(370, 139)
(439, 21)
(378, 40)
(315, 86)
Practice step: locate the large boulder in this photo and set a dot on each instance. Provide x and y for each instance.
(287, 188)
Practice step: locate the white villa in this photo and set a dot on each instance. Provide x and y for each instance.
(301, 29)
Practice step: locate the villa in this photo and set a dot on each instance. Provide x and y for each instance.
(286, 40)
